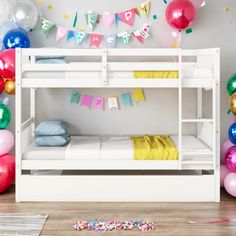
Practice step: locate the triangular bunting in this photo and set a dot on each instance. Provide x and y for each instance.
(91, 19)
(124, 37)
(144, 8)
(61, 33)
(108, 19)
(142, 33)
(127, 16)
(70, 34)
(79, 36)
(95, 40)
(46, 25)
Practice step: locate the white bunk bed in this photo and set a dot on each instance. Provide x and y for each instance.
(193, 177)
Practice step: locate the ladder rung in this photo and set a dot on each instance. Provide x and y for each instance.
(197, 120)
(197, 162)
(197, 153)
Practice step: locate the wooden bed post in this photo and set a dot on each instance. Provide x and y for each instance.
(18, 121)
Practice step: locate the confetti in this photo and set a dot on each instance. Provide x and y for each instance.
(154, 17)
(188, 31)
(49, 6)
(39, 1)
(165, 1)
(66, 16)
(226, 9)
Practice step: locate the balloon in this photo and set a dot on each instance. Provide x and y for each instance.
(232, 133)
(224, 171)
(6, 141)
(5, 27)
(232, 103)
(230, 184)
(4, 11)
(7, 64)
(25, 14)
(16, 38)
(225, 146)
(231, 85)
(10, 87)
(7, 171)
(230, 159)
(180, 14)
(5, 116)
(1, 84)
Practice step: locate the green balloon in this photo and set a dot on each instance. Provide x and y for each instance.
(5, 116)
(231, 85)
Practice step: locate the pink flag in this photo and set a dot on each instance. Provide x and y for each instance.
(98, 102)
(86, 100)
(142, 33)
(61, 33)
(128, 16)
(108, 19)
(95, 40)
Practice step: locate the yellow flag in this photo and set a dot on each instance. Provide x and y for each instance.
(144, 8)
(138, 95)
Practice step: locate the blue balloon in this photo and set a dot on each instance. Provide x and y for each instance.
(232, 133)
(16, 38)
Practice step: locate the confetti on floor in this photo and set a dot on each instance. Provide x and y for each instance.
(102, 226)
(154, 17)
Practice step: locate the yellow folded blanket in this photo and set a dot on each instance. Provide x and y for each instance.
(157, 147)
(156, 74)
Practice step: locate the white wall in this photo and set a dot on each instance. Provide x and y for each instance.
(213, 28)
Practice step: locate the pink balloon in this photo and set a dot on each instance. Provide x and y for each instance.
(6, 141)
(180, 14)
(7, 171)
(224, 171)
(230, 159)
(225, 146)
(230, 184)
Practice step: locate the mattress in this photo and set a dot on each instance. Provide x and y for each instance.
(101, 148)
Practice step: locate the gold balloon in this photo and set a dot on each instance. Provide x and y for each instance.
(10, 87)
(232, 103)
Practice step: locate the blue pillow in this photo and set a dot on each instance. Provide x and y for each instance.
(51, 61)
(52, 141)
(51, 127)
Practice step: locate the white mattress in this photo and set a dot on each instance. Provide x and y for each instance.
(103, 148)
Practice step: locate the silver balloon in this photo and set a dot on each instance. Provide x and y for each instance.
(4, 11)
(25, 14)
(5, 27)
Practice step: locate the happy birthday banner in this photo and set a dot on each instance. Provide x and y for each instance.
(93, 18)
(98, 102)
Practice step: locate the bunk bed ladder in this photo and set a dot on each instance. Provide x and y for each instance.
(180, 98)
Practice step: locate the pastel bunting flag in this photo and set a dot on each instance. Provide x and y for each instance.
(128, 16)
(126, 99)
(138, 95)
(98, 103)
(70, 34)
(91, 19)
(75, 96)
(110, 40)
(46, 25)
(144, 8)
(124, 37)
(108, 19)
(117, 18)
(142, 33)
(79, 36)
(95, 40)
(61, 33)
(86, 101)
(113, 103)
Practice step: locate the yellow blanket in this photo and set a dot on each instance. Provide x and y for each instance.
(158, 147)
(162, 74)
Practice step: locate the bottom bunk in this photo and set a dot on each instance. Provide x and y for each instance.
(94, 152)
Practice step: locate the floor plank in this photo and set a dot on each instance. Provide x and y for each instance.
(169, 218)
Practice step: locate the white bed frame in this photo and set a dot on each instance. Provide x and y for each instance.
(200, 187)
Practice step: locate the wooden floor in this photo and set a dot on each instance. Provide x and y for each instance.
(169, 218)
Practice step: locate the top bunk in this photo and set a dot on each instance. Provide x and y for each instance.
(117, 68)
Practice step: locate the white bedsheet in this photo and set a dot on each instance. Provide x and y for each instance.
(103, 148)
(82, 147)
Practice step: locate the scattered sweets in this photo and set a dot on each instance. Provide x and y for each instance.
(102, 226)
